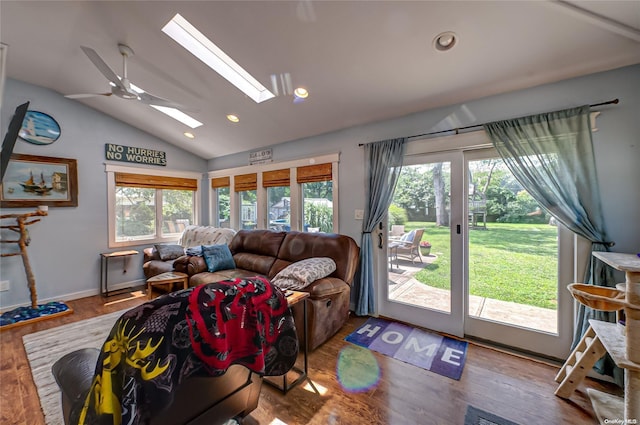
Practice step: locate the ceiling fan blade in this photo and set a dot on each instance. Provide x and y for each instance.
(83, 95)
(102, 66)
(150, 99)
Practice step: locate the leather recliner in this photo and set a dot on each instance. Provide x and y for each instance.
(197, 401)
(265, 253)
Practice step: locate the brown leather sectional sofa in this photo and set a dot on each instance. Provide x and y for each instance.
(265, 252)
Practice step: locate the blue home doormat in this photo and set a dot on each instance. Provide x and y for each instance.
(428, 350)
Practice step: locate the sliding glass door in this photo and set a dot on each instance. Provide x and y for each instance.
(469, 252)
(518, 263)
(424, 243)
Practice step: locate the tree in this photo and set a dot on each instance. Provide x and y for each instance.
(322, 190)
(414, 191)
(442, 217)
(177, 205)
(224, 204)
(318, 215)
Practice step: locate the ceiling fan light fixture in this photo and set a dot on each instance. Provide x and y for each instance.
(188, 36)
(233, 118)
(178, 116)
(445, 41)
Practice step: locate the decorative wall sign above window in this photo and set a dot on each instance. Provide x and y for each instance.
(136, 155)
(261, 157)
(39, 128)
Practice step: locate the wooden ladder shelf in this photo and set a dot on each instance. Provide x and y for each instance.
(588, 351)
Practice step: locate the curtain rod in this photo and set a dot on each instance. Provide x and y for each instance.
(609, 102)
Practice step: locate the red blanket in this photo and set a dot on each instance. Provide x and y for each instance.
(199, 331)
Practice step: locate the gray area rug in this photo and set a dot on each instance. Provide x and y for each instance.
(45, 347)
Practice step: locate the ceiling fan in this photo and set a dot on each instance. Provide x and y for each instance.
(121, 86)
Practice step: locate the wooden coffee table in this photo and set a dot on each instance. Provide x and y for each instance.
(165, 279)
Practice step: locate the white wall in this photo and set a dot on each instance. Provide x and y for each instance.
(616, 143)
(65, 245)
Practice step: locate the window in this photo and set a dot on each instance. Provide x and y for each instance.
(148, 208)
(317, 197)
(278, 199)
(289, 195)
(246, 187)
(221, 202)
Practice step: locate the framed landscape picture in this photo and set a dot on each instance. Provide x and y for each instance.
(31, 180)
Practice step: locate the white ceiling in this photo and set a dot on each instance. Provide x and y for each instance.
(361, 61)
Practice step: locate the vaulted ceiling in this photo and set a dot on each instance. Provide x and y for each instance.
(361, 61)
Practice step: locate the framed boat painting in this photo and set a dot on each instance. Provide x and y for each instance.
(32, 180)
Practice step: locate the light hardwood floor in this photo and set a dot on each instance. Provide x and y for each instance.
(510, 386)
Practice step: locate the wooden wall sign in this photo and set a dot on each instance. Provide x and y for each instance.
(122, 153)
(261, 157)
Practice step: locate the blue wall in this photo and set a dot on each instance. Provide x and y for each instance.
(616, 143)
(65, 245)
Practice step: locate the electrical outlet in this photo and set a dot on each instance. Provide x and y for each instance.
(359, 214)
(4, 285)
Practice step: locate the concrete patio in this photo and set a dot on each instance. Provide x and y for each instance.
(404, 288)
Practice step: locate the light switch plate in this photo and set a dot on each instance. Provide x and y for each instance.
(359, 214)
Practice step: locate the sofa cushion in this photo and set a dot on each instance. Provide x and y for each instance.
(302, 273)
(256, 249)
(169, 252)
(299, 246)
(206, 277)
(218, 257)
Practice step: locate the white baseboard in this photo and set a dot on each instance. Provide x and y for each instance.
(80, 294)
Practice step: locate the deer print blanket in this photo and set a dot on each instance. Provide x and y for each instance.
(199, 331)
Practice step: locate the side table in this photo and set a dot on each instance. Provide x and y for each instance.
(104, 267)
(165, 279)
(293, 298)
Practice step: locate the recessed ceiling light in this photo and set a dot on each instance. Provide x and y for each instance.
(178, 115)
(189, 135)
(233, 118)
(445, 41)
(204, 49)
(301, 92)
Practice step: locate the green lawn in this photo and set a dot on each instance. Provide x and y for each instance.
(508, 262)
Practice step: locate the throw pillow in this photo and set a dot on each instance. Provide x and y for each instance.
(303, 273)
(194, 251)
(169, 252)
(218, 257)
(408, 237)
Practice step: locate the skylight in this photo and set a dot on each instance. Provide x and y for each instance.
(204, 49)
(178, 115)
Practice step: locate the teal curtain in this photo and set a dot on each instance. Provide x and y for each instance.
(384, 163)
(551, 155)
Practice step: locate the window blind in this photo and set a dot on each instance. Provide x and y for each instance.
(276, 178)
(155, 182)
(244, 182)
(218, 182)
(314, 173)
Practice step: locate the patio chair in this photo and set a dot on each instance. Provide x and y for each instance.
(397, 230)
(410, 245)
